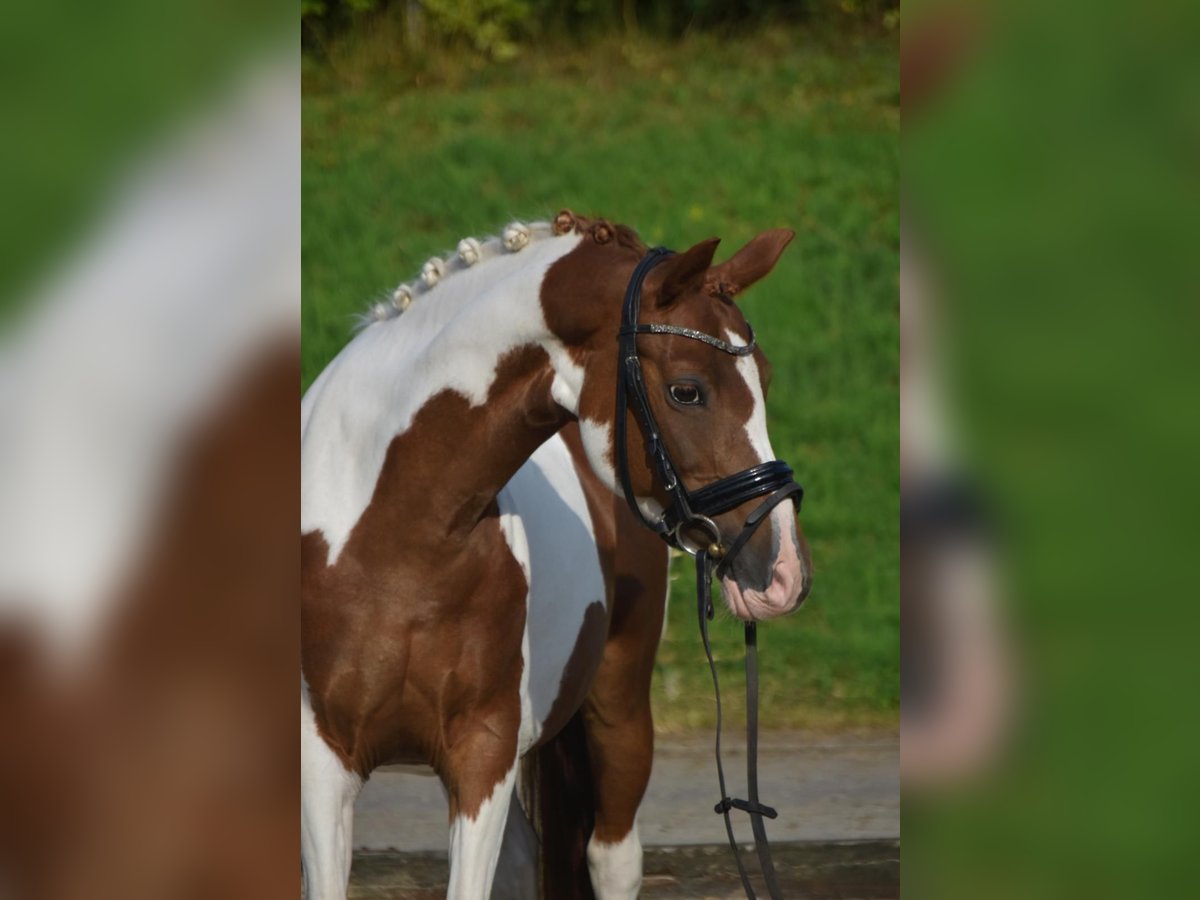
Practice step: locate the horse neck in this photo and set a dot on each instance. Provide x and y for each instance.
(422, 420)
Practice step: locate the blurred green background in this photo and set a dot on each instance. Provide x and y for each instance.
(1053, 190)
(684, 121)
(89, 92)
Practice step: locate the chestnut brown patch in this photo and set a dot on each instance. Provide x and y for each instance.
(411, 641)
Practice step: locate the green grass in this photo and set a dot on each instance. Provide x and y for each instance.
(710, 136)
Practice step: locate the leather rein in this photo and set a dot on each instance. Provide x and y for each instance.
(687, 524)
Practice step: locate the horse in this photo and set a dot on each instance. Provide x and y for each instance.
(476, 595)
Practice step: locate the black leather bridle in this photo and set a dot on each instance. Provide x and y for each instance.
(687, 524)
(689, 513)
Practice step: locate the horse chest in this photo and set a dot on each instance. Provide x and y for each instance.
(518, 621)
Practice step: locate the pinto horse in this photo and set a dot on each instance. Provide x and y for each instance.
(476, 595)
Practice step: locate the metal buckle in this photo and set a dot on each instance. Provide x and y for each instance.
(666, 474)
(692, 544)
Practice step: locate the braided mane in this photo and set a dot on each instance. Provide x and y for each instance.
(471, 252)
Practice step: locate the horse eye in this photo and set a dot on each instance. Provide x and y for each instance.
(685, 394)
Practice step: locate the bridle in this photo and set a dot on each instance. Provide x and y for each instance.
(687, 524)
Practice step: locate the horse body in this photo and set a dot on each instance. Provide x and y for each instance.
(560, 525)
(473, 590)
(459, 646)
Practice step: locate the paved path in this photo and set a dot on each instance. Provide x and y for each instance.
(840, 788)
(859, 870)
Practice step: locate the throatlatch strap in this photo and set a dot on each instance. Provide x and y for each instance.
(756, 810)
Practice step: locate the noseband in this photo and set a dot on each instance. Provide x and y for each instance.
(687, 524)
(689, 513)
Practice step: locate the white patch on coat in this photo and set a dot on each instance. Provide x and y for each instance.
(616, 869)
(545, 519)
(756, 424)
(513, 529)
(451, 339)
(327, 794)
(598, 446)
(568, 379)
(783, 516)
(475, 843)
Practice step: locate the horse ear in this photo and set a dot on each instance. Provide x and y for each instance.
(750, 263)
(676, 274)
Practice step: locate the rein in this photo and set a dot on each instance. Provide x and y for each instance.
(687, 524)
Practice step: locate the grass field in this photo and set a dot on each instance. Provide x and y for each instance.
(707, 137)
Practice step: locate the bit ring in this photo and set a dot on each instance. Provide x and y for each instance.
(692, 543)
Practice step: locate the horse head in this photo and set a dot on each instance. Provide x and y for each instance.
(705, 384)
